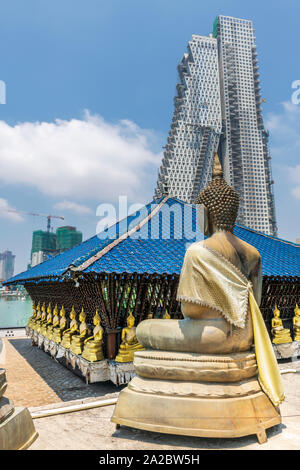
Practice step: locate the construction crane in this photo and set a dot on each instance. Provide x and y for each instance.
(49, 217)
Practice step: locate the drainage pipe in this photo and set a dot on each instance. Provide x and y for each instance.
(72, 408)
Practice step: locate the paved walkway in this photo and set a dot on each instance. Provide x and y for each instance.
(36, 379)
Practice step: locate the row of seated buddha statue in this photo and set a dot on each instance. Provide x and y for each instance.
(281, 335)
(53, 326)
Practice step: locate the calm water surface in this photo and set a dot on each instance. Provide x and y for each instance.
(14, 312)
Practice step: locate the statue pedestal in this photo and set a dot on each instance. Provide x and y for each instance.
(287, 350)
(34, 336)
(46, 344)
(40, 340)
(121, 373)
(93, 371)
(196, 395)
(52, 348)
(17, 431)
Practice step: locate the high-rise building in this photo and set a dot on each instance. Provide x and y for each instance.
(7, 263)
(43, 245)
(47, 244)
(226, 81)
(67, 237)
(245, 154)
(196, 125)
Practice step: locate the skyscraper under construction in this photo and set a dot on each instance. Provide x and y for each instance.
(218, 107)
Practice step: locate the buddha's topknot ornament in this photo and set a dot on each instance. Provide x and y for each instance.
(220, 199)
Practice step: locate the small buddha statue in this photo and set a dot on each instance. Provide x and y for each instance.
(33, 316)
(166, 315)
(296, 324)
(48, 321)
(37, 316)
(129, 342)
(78, 339)
(55, 322)
(58, 330)
(42, 319)
(67, 334)
(280, 334)
(150, 316)
(92, 350)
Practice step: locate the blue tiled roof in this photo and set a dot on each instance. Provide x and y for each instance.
(159, 246)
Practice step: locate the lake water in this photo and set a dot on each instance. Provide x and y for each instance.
(14, 312)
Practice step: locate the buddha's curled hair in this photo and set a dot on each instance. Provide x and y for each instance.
(220, 199)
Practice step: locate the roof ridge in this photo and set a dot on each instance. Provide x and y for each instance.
(296, 245)
(118, 240)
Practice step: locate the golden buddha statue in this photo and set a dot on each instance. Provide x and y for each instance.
(37, 316)
(33, 316)
(67, 334)
(199, 376)
(55, 322)
(129, 342)
(296, 323)
(92, 350)
(42, 319)
(166, 315)
(58, 330)
(48, 320)
(78, 339)
(280, 335)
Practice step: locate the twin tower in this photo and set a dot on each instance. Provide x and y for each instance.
(218, 108)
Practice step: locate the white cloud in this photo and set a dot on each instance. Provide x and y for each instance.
(76, 159)
(73, 207)
(8, 212)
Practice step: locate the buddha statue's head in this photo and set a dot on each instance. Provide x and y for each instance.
(44, 307)
(49, 309)
(276, 312)
(62, 311)
(297, 311)
(82, 315)
(38, 307)
(218, 203)
(73, 313)
(130, 320)
(97, 319)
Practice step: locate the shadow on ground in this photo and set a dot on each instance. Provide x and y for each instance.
(61, 380)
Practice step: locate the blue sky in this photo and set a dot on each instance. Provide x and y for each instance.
(89, 102)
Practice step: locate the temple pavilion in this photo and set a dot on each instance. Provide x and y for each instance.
(134, 266)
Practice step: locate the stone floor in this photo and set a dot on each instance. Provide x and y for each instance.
(36, 380)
